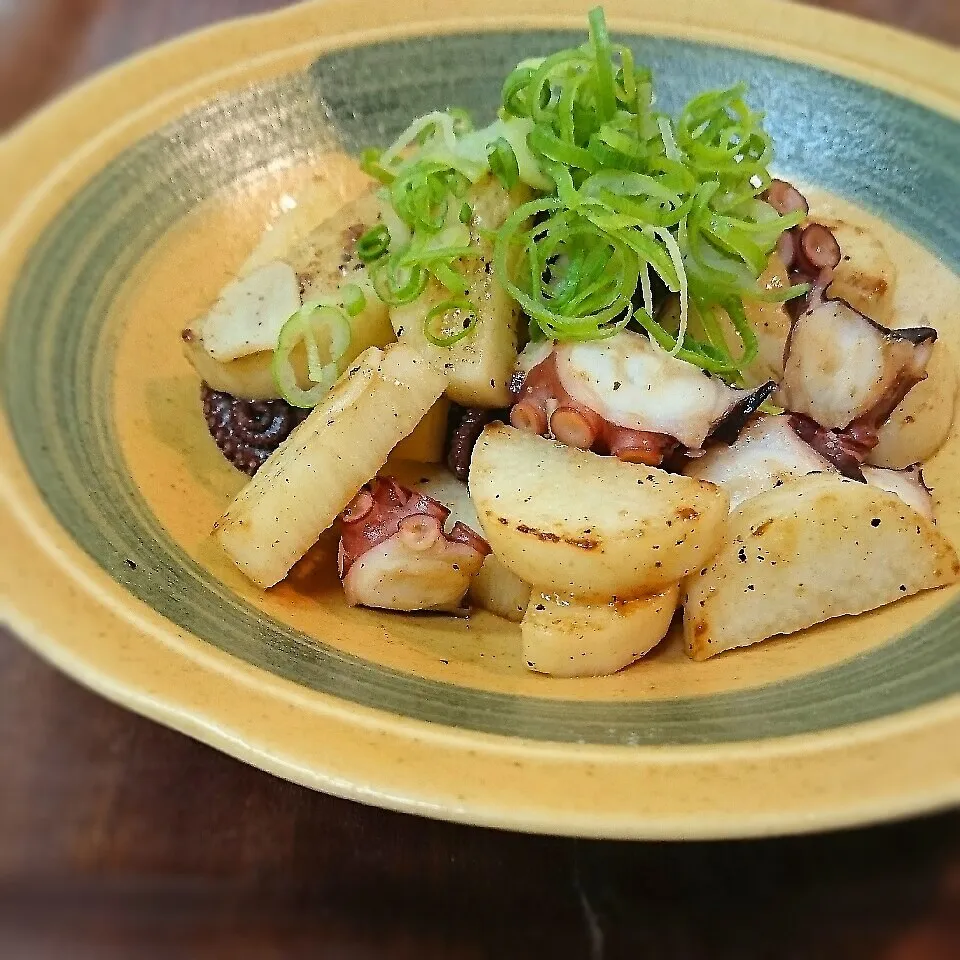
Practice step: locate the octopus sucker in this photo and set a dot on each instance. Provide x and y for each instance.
(820, 381)
(394, 553)
(248, 431)
(627, 398)
(576, 426)
(809, 251)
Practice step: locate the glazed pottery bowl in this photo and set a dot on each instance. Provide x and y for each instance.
(129, 203)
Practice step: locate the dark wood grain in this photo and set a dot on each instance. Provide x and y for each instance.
(121, 839)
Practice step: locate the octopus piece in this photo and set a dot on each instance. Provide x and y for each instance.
(768, 453)
(810, 251)
(846, 372)
(626, 397)
(464, 427)
(395, 555)
(906, 484)
(845, 449)
(248, 431)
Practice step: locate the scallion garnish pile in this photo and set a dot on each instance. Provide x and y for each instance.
(616, 194)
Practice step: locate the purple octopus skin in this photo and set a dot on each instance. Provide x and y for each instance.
(248, 431)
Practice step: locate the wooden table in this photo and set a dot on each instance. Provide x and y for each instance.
(121, 839)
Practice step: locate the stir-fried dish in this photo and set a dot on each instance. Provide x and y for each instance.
(581, 367)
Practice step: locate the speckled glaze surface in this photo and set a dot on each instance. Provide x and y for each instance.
(128, 204)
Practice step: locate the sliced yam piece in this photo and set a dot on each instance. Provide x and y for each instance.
(565, 637)
(316, 472)
(426, 443)
(918, 427)
(571, 521)
(327, 257)
(494, 588)
(480, 365)
(232, 346)
(251, 377)
(817, 548)
(335, 180)
(907, 484)
(866, 276)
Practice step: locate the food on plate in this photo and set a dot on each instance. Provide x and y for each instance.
(819, 380)
(819, 547)
(918, 427)
(577, 364)
(865, 276)
(767, 454)
(494, 587)
(248, 431)
(906, 484)
(262, 338)
(427, 443)
(566, 637)
(627, 397)
(394, 552)
(474, 335)
(568, 520)
(318, 470)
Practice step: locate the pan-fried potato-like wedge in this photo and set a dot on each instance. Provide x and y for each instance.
(499, 590)
(480, 365)
(251, 376)
(494, 588)
(813, 549)
(318, 469)
(571, 521)
(919, 426)
(426, 443)
(569, 638)
(866, 277)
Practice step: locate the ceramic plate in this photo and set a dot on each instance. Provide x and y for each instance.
(126, 206)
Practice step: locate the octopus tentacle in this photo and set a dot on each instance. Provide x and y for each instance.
(820, 382)
(810, 252)
(248, 431)
(583, 400)
(394, 553)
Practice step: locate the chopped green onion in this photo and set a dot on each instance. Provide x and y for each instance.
(354, 299)
(373, 244)
(623, 192)
(449, 322)
(503, 163)
(606, 95)
(370, 165)
(462, 121)
(320, 328)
